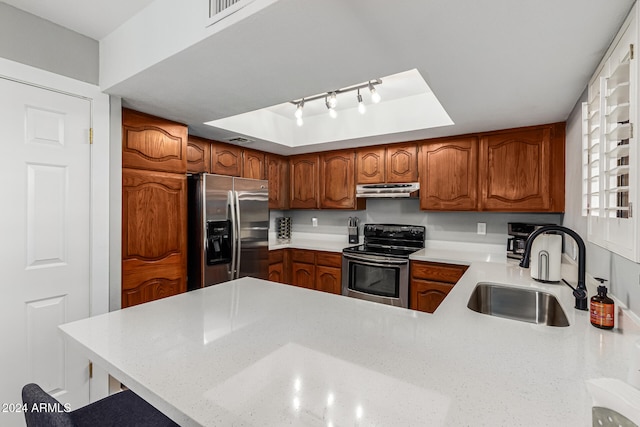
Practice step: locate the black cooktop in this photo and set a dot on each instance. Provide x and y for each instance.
(390, 240)
(379, 250)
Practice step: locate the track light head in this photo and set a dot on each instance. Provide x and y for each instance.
(298, 113)
(333, 100)
(375, 96)
(361, 108)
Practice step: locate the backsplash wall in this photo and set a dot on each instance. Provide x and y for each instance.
(447, 226)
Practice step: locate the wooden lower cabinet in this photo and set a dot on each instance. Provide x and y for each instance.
(277, 266)
(431, 282)
(154, 234)
(329, 272)
(318, 270)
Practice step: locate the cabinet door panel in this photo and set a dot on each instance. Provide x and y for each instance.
(515, 170)
(278, 176)
(370, 165)
(337, 180)
(253, 164)
(226, 159)
(401, 163)
(304, 186)
(198, 155)
(329, 279)
(153, 143)
(449, 175)
(303, 275)
(153, 235)
(276, 272)
(426, 295)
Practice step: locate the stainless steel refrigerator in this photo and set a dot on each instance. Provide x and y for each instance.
(228, 229)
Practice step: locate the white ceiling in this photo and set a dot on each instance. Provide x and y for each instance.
(492, 64)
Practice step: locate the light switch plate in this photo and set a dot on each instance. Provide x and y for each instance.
(482, 228)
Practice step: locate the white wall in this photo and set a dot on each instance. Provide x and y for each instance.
(34, 41)
(623, 275)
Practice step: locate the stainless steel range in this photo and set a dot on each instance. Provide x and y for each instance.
(378, 270)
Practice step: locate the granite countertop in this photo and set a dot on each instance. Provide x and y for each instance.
(252, 352)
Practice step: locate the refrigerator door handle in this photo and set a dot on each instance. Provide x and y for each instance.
(234, 235)
(238, 239)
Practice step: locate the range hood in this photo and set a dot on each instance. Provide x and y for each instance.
(405, 190)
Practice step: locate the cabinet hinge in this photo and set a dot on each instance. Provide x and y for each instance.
(90, 135)
(90, 369)
(631, 51)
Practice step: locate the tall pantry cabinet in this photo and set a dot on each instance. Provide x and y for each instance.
(154, 250)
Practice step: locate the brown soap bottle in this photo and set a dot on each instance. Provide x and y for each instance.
(602, 308)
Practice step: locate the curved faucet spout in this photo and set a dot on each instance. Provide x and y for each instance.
(580, 291)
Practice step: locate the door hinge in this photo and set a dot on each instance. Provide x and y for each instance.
(90, 369)
(630, 130)
(630, 209)
(631, 51)
(90, 135)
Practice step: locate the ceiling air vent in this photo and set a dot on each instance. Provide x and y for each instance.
(219, 9)
(240, 140)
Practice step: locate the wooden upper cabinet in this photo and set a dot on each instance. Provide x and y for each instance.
(401, 163)
(198, 155)
(303, 181)
(153, 143)
(253, 164)
(449, 174)
(226, 159)
(370, 165)
(154, 232)
(337, 180)
(520, 170)
(278, 176)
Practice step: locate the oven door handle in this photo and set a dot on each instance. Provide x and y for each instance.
(376, 262)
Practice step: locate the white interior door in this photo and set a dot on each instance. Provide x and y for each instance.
(45, 252)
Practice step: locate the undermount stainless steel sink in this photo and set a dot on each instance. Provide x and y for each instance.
(526, 305)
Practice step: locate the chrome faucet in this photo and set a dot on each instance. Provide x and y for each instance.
(580, 291)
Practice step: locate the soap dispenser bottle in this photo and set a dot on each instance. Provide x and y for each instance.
(602, 308)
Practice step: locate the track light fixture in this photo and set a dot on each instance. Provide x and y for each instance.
(331, 99)
(298, 113)
(331, 106)
(361, 108)
(375, 96)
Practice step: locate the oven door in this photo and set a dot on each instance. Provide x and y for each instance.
(375, 278)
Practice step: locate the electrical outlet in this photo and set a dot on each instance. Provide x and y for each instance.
(314, 222)
(482, 228)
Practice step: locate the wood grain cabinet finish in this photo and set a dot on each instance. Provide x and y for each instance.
(303, 274)
(278, 263)
(253, 164)
(329, 272)
(401, 163)
(303, 181)
(278, 177)
(153, 235)
(318, 270)
(198, 155)
(337, 180)
(370, 165)
(431, 282)
(153, 143)
(449, 174)
(520, 170)
(226, 159)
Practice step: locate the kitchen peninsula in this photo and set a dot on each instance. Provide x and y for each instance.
(253, 352)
